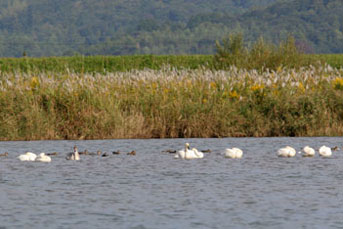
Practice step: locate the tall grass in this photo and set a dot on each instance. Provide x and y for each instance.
(171, 102)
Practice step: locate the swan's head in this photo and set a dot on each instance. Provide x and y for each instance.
(75, 149)
(187, 145)
(42, 154)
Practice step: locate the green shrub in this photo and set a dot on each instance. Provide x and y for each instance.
(261, 55)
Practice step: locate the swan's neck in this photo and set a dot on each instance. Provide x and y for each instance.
(76, 152)
(186, 148)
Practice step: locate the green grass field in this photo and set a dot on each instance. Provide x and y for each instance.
(103, 64)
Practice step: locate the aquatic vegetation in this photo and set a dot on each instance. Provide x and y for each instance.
(171, 102)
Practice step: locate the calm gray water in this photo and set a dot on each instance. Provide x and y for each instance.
(154, 190)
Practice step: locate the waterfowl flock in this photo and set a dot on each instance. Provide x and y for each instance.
(236, 153)
(73, 156)
(185, 153)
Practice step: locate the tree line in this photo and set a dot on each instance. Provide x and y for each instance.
(105, 27)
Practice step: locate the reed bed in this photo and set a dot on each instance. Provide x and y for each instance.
(171, 103)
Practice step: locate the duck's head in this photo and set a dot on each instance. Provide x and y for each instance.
(335, 148)
(4, 154)
(75, 149)
(86, 152)
(132, 153)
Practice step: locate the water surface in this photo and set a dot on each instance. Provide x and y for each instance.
(154, 190)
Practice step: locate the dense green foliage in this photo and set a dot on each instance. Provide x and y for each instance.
(106, 27)
(261, 55)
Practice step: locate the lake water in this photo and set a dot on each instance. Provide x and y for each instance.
(154, 190)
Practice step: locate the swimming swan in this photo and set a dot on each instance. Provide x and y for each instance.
(42, 157)
(286, 152)
(74, 156)
(188, 154)
(233, 153)
(308, 152)
(28, 156)
(325, 151)
(197, 153)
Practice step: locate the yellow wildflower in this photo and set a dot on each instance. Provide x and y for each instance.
(213, 85)
(301, 88)
(165, 90)
(154, 85)
(338, 83)
(233, 94)
(34, 82)
(276, 92)
(279, 69)
(257, 87)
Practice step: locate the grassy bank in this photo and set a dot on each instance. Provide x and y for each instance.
(101, 64)
(105, 64)
(171, 103)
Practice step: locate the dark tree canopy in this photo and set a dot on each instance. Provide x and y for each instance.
(122, 27)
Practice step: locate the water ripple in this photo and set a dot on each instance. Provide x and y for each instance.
(154, 190)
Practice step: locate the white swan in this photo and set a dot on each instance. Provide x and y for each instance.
(325, 151)
(188, 154)
(233, 153)
(286, 152)
(197, 153)
(28, 156)
(43, 158)
(75, 156)
(308, 152)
